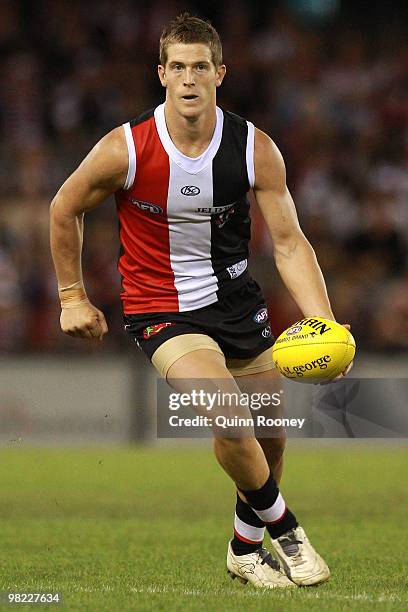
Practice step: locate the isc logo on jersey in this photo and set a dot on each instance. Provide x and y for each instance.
(190, 190)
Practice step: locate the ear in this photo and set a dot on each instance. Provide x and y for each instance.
(220, 74)
(162, 75)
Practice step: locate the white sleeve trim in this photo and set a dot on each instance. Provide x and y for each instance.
(250, 154)
(131, 173)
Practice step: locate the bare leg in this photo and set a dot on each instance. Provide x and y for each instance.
(273, 448)
(242, 458)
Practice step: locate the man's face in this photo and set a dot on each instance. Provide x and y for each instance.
(190, 78)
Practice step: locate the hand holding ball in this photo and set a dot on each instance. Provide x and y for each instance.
(313, 350)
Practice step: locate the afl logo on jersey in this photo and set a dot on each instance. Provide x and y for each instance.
(148, 206)
(190, 190)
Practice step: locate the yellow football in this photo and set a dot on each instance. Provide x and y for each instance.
(313, 350)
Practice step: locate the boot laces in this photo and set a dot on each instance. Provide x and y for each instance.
(267, 559)
(290, 546)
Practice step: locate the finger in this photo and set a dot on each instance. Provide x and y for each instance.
(102, 321)
(83, 333)
(347, 326)
(103, 324)
(347, 370)
(69, 333)
(95, 330)
(72, 332)
(332, 380)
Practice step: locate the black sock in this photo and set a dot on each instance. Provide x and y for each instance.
(284, 524)
(264, 497)
(269, 506)
(247, 524)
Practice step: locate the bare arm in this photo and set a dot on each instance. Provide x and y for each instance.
(295, 258)
(101, 173)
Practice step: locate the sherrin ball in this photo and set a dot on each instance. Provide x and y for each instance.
(313, 350)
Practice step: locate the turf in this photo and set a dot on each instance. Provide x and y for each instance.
(146, 529)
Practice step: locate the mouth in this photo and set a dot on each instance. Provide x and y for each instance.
(190, 97)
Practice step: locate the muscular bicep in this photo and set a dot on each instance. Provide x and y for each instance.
(271, 192)
(102, 172)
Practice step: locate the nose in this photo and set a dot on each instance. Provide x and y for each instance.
(188, 76)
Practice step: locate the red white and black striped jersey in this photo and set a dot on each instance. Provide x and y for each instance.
(184, 222)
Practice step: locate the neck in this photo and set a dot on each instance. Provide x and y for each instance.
(191, 135)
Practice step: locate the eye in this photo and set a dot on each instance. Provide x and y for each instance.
(177, 67)
(201, 67)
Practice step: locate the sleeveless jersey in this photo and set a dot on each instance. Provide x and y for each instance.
(184, 222)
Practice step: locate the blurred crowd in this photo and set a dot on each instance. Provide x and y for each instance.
(331, 93)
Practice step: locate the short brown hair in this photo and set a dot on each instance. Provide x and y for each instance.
(187, 29)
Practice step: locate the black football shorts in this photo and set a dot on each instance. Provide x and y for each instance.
(238, 322)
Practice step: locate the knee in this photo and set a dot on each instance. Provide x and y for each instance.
(274, 448)
(280, 444)
(242, 445)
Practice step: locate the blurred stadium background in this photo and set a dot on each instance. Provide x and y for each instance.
(326, 79)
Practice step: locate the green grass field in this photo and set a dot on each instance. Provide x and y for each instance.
(146, 529)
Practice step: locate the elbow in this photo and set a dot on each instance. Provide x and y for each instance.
(56, 205)
(287, 246)
(53, 206)
(60, 209)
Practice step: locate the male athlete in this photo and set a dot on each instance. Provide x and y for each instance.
(180, 174)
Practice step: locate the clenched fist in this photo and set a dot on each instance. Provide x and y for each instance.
(83, 321)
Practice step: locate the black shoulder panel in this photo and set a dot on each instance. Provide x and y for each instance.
(230, 177)
(143, 117)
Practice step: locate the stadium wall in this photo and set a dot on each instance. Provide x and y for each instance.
(83, 401)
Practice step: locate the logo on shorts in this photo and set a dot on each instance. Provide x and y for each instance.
(152, 330)
(261, 316)
(267, 332)
(238, 268)
(190, 190)
(294, 330)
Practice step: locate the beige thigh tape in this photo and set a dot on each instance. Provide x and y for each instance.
(174, 348)
(178, 346)
(244, 367)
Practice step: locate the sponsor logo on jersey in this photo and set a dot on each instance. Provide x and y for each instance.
(238, 268)
(190, 190)
(294, 330)
(221, 220)
(152, 330)
(267, 332)
(155, 209)
(261, 316)
(214, 210)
